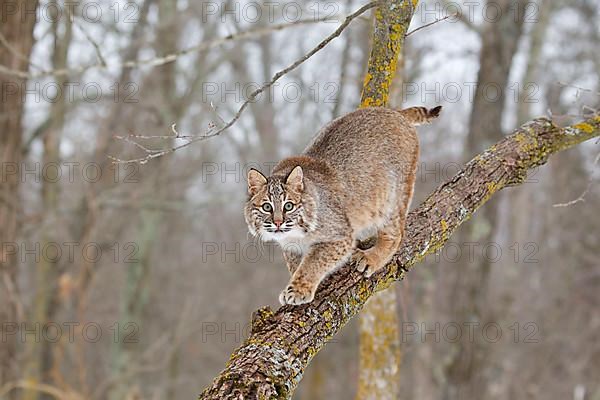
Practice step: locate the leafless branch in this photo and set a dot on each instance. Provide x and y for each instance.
(579, 89)
(431, 23)
(215, 132)
(464, 19)
(581, 197)
(158, 61)
(74, 21)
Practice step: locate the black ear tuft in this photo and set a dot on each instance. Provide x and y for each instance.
(434, 112)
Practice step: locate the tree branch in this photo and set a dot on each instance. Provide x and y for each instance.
(270, 363)
(465, 19)
(213, 130)
(156, 61)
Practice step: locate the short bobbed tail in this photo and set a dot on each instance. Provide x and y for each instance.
(421, 115)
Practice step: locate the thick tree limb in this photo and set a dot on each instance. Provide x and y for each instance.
(270, 363)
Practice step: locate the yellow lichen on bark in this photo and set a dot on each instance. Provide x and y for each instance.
(391, 24)
(379, 353)
(584, 127)
(270, 363)
(379, 333)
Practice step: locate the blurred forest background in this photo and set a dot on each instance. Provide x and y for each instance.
(137, 280)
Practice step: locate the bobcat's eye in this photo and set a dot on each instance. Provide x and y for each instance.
(288, 206)
(267, 207)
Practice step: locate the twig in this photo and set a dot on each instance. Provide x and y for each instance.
(89, 38)
(136, 144)
(431, 23)
(464, 19)
(581, 197)
(210, 133)
(579, 89)
(214, 108)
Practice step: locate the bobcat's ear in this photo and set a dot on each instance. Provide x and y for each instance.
(255, 181)
(296, 179)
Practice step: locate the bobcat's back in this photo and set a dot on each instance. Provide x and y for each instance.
(364, 140)
(354, 181)
(373, 153)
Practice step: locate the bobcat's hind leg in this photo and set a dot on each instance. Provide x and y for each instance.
(390, 236)
(388, 239)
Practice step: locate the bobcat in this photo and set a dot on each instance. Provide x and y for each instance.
(354, 181)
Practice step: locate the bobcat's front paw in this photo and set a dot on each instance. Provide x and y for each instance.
(364, 263)
(297, 293)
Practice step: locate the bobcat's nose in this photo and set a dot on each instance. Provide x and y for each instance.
(278, 223)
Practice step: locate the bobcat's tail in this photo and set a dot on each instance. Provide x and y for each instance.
(421, 115)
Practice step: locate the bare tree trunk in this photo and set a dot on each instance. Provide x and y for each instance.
(137, 287)
(87, 215)
(17, 31)
(271, 361)
(536, 43)
(379, 354)
(500, 38)
(38, 360)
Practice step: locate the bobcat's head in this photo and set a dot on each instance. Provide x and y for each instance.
(278, 208)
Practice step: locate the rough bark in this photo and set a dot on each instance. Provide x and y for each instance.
(136, 293)
(379, 351)
(391, 23)
(270, 363)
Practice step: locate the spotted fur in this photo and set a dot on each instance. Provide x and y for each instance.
(355, 180)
